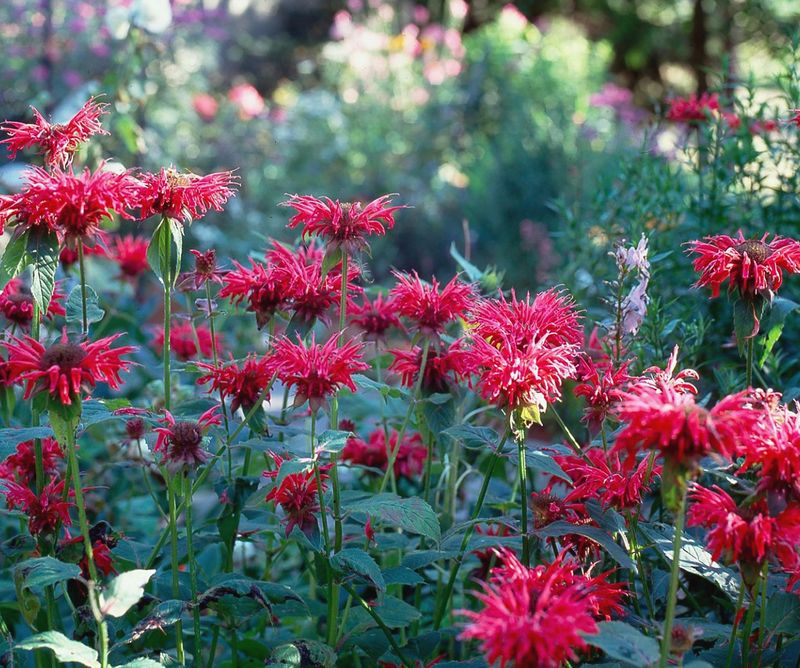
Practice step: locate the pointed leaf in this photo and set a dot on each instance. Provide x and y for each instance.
(624, 643)
(64, 648)
(352, 561)
(124, 592)
(15, 258)
(44, 251)
(412, 515)
(43, 571)
(599, 536)
(74, 308)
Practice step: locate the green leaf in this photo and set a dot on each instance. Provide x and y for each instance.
(396, 613)
(624, 643)
(363, 382)
(44, 251)
(746, 315)
(74, 308)
(64, 419)
(412, 515)
(473, 273)
(773, 325)
(124, 592)
(332, 440)
(161, 617)
(168, 233)
(474, 437)
(144, 662)
(783, 613)
(402, 575)
(333, 256)
(539, 460)
(64, 648)
(599, 536)
(303, 654)
(300, 325)
(11, 438)
(352, 561)
(43, 571)
(15, 258)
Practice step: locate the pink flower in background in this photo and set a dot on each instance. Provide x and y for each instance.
(247, 99)
(206, 106)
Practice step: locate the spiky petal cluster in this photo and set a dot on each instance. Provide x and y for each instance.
(183, 340)
(316, 371)
(374, 317)
(180, 442)
(184, 196)
(20, 466)
(429, 306)
(242, 383)
(773, 452)
(374, 453)
(205, 270)
(343, 224)
(693, 108)
(682, 382)
(601, 387)
(56, 141)
(297, 494)
(65, 370)
(129, 253)
(443, 368)
(264, 287)
(45, 511)
(16, 303)
(754, 267)
(537, 616)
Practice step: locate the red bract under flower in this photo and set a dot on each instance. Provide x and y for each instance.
(45, 511)
(182, 340)
(746, 535)
(373, 453)
(16, 303)
(297, 495)
(21, 465)
(184, 197)
(129, 253)
(65, 370)
(442, 368)
(73, 205)
(205, 269)
(672, 423)
(316, 371)
(266, 289)
(754, 267)
(342, 224)
(244, 384)
(537, 616)
(655, 378)
(429, 306)
(691, 109)
(375, 317)
(181, 442)
(601, 387)
(56, 141)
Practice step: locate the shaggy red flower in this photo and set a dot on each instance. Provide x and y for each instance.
(429, 306)
(602, 388)
(56, 141)
(16, 303)
(243, 384)
(344, 225)
(44, 511)
(374, 453)
(65, 370)
(773, 451)
(316, 371)
(184, 196)
(20, 466)
(746, 534)
(538, 616)
(205, 269)
(693, 108)
(754, 267)
(298, 495)
(682, 382)
(375, 317)
(73, 205)
(443, 368)
(180, 443)
(182, 340)
(129, 253)
(266, 289)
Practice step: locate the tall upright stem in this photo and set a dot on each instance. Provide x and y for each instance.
(749, 362)
(523, 503)
(82, 272)
(672, 596)
(187, 513)
(176, 591)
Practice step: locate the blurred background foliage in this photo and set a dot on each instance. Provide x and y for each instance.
(531, 136)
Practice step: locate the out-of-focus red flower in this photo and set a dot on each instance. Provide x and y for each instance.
(247, 100)
(693, 108)
(443, 368)
(746, 534)
(44, 511)
(129, 253)
(181, 442)
(538, 616)
(375, 317)
(316, 371)
(764, 126)
(183, 343)
(243, 384)
(65, 370)
(429, 306)
(184, 196)
(20, 466)
(754, 267)
(205, 106)
(732, 120)
(343, 225)
(135, 429)
(374, 453)
(601, 387)
(69, 256)
(56, 141)
(16, 303)
(297, 494)
(205, 269)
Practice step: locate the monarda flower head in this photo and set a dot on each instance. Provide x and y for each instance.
(374, 317)
(539, 616)
(183, 196)
(692, 109)
(180, 442)
(682, 382)
(65, 370)
(265, 289)
(243, 383)
(601, 387)
(374, 453)
(56, 141)
(20, 466)
(45, 511)
(297, 494)
(316, 371)
(205, 270)
(343, 225)
(129, 253)
(444, 368)
(183, 342)
(16, 303)
(429, 306)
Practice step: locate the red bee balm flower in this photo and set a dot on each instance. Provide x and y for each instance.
(538, 616)
(44, 511)
(55, 140)
(130, 255)
(316, 371)
(205, 269)
(243, 383)
(65, 370)
(181, 442)
(426, 305)
(298, 495)
(692, 109)
(184, 197)
(182, 340)
(344, 225)
(373, 453)
(266, 289)
(21, 465)
(753, 266)
(16, 303)
(443, 368)
(602, 388)
(375, 317)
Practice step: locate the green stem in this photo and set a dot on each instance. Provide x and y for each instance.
(187, 514)
(451, 582)
(734, 627)
(318, 479)
(672, 596)
(523, 503)
(762, 626)
(748, 624)
(166, 271)
(573, 442)
(749, 362)
(215, 357)
(82, 272)
(176, 592)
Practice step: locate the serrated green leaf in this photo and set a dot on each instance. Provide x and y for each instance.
(624, 643)
(124, 592)
(474, 437)
(64, 648)
(11, 438)
(783, 613)
(412, 514)
(15, 258)
(332, 440)
(44, 251)
(42, 571)
(352, 561)
(773, 325)
(74, 308)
